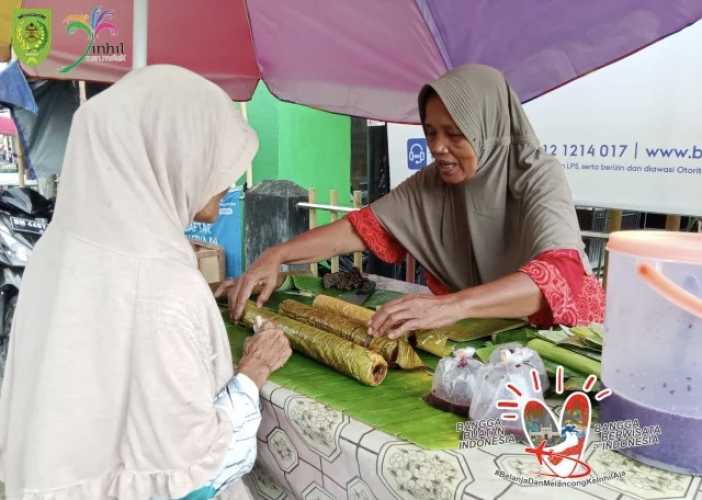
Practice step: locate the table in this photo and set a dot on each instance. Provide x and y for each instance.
(314, 448)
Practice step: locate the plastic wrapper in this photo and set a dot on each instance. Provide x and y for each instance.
(509, 364)
(518, 355)
(454, 383)
(352, 311)
(366, 366)
(395, 352)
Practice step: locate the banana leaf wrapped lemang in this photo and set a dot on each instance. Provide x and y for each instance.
(352, 311)
(396, 352)
(366, 366)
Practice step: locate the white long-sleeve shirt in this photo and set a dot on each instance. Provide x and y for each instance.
(239, 400)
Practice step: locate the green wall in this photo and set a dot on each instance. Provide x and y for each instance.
(309, 147)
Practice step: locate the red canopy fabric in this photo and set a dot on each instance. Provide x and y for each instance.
(362, 57)
(7, 126)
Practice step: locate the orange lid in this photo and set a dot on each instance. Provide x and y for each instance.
(664, 245)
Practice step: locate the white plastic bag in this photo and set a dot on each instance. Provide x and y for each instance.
(453, 385)
(519, 355)
(509, 364)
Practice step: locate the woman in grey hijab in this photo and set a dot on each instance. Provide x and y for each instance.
(492, 221)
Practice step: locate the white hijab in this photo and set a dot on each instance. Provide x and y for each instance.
(117, 347)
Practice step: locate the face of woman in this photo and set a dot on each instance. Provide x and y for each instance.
(210, 212)
(453, 153)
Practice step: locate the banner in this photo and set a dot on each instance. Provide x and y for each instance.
(629, 135)
(226, 231)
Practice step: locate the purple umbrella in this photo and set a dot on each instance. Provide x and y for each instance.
(369, 57)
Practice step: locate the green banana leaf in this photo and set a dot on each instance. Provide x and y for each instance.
(470, 329)
(568, 373)
(395, 407)
(380, 298)
(576, 384)
(287, 284)
(484, 352)
(590, 353)
(309, 285)
(521, 335)
(591, 334)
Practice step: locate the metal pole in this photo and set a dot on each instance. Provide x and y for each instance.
(21, 167)
(328, 208)
(82, 93)
(614, 223)
(249, 167)
(312, 197)
(140, 33)
(333, 200)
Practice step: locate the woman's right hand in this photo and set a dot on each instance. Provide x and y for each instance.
(261, 278)
(264, 352)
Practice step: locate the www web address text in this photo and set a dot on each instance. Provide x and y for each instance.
(635, 151)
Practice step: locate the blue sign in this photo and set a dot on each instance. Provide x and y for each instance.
(226, 231)
(416, 154)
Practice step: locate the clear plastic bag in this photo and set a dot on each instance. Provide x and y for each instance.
(453, 385)
(509, 363)
(517, 354)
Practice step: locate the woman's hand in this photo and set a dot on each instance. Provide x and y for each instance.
(264, 352)
(337, 238)
(415, 312)
(261, 278)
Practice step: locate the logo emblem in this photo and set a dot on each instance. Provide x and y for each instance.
(31, 35)
(557, 444)
(98, 21)
(416, 154)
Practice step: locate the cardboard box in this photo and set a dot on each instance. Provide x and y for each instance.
(210, 260)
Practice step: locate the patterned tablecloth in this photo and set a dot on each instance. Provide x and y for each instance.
(309, 451)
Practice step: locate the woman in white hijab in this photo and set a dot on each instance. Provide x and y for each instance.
(119, 382)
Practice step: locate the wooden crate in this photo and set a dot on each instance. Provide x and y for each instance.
(210, 260)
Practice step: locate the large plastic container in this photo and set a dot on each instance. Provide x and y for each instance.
(652, 357)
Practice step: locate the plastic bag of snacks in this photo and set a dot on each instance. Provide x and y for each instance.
(453, 385)
(509, 364)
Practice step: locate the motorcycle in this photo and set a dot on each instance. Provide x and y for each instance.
(24, 216)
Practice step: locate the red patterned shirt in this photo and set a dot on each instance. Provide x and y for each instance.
(572, 296)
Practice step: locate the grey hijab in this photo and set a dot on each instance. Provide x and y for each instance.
(516, 206)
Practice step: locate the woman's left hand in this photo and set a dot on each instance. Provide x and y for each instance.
(415, 312)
